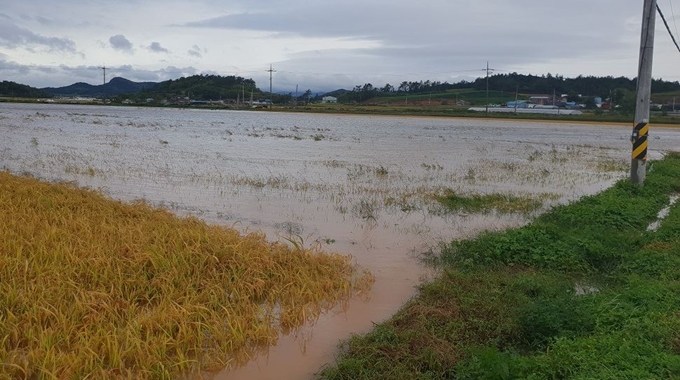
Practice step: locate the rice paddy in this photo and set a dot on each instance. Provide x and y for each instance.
(367, 188)
(95, 288)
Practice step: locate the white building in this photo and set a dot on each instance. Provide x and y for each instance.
(329, 99)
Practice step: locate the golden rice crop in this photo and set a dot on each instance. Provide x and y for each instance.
(95, 288)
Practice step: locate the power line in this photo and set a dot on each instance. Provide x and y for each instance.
(375, 75)
(668, 27)
(673, 16)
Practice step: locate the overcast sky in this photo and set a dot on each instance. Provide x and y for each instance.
(325, 45)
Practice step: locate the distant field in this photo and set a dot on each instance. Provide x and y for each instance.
(667, 97)
(473, 97)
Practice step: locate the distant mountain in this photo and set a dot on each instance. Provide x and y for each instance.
(17, 90)
(337, 92)
(116, 86)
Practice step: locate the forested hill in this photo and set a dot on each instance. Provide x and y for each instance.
(114, 87)
(525, 84)
(205, 87)
(16, 90)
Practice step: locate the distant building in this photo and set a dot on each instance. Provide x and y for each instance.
(541, 99)
(329, 99)
(518, 104)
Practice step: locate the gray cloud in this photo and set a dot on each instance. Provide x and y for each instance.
(44, 20)
(196, 51)
(12, 37)
(441, 33)
(119, 42)
(157, 48)
(381, 41)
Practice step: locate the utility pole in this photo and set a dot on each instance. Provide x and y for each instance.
(487, 86)
(516, 93)
(271, 98)
(554, 95)
(104, 70)
(644, 90)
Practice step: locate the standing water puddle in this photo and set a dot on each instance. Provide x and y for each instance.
(358, 185)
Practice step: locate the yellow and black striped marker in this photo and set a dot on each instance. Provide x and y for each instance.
(639, 140)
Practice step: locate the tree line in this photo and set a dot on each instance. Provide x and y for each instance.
(549, 84)
(16, 90)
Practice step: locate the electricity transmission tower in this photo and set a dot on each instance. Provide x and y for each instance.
(104, 70)
(488, 70)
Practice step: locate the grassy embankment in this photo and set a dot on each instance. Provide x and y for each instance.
(462, 112)
(583, 292)
(94, 288)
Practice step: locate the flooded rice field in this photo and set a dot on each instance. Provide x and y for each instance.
(359, 185)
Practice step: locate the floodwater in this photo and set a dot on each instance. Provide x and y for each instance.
(358, 185)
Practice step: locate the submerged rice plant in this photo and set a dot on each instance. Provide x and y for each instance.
(95, 288)
(503, 203)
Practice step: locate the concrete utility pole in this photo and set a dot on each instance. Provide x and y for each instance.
(644, 91)
(271, 98)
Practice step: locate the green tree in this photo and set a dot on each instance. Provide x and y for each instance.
(624, 100)
(307, 94)
(590, 103)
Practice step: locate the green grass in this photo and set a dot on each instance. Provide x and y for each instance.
(584, 292)
(482, 203)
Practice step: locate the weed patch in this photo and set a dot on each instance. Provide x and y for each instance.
(503, 203)
(583, 292)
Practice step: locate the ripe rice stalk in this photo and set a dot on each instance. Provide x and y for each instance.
(91, 287)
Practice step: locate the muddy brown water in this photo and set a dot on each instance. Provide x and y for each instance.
(357, 185)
